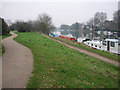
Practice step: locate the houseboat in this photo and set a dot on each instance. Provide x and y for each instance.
(110, 45)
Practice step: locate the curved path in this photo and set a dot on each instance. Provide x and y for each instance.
(86, 52)
(17, 64)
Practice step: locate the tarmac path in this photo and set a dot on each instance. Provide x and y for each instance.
(17, 64)
(86, 52)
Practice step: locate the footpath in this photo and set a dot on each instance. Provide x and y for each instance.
(17, 64)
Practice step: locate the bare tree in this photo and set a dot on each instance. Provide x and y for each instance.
(45, 23)
(89, 25)
(99, 19)
(35, 25)
(115, 20)
(90, 22)
(115, 17)
(64, 29)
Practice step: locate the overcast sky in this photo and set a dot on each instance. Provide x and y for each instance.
(61, 11)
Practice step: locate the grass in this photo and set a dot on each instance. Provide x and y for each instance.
(85, 47)
(6, 36)
(2, 48)
(57, 66)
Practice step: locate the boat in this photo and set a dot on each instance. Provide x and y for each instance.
(110, 45)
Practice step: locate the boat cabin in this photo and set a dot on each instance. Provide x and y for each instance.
(110, 45)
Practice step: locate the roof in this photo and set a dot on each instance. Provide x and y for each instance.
(94, 41)
(113, 40)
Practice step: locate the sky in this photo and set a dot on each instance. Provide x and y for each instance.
(61, 11)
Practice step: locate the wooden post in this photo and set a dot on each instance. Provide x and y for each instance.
(92, 31)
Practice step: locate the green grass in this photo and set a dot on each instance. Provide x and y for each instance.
(6, 36)
(57, 66)
(85, 47)
(2, 48)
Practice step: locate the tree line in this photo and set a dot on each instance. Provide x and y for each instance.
(98, 23)
(101, 23)
(42, 24)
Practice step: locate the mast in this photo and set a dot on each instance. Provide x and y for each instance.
(92, 31)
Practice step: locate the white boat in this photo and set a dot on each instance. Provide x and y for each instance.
(110, 45)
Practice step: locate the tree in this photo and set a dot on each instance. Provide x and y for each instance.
(89, 30)
(77, 29)
(21, 26)
(65, 29)
(35, 25)
(45, 23)
(115, 20)
(115, 17)
(99, 19)
(90, 22)
(4, 27)
(97, 24)
(119, 20)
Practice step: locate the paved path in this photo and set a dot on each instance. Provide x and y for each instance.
(17, 64)
(86, 52)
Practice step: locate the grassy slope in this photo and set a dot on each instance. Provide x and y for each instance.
(56, 65)
(99, 52)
